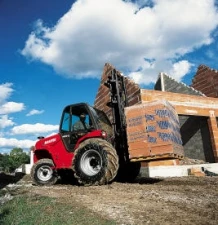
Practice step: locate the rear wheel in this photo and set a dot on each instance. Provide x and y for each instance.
(42, 172)
(95, 162)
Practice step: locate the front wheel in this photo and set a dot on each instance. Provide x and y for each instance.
(42, 172)
(95, 162)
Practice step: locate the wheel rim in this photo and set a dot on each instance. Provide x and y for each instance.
(44, 173)
(91, 162)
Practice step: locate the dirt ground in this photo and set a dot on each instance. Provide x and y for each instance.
(181, 201)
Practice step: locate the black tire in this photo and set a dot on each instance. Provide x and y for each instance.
(67, 176)
(128, 172)
(95, 162)
(42, 172)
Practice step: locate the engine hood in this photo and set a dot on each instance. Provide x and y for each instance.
(48, 141)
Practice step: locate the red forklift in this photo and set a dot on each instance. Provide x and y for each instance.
(88, 144)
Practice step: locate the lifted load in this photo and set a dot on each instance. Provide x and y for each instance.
(153, 131)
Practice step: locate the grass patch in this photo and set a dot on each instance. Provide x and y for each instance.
(38, 210)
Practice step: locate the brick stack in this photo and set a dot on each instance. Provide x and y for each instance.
(153, 131)
(206, 81)
(103, 97)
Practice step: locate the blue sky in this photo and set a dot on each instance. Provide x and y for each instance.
(53, 53)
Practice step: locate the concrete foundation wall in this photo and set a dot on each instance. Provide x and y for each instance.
(210, 169)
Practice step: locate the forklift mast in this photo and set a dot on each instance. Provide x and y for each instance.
(118, 101)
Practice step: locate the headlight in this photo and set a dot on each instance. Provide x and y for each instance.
(104, 134)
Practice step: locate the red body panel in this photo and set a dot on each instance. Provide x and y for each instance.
(54, 148)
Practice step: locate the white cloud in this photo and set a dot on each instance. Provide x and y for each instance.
(34, 112)
(33, 128)
(5, 91)
(13, 143)
(7, 107)
(5, 121)
(11, 107)
(151, 70)
(180, 69)
(119, 33)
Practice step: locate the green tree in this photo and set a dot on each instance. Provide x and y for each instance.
(18, 157)
(5, 162)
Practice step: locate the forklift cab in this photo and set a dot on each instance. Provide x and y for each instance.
(79, 120)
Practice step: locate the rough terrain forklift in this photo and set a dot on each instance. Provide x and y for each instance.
(96, 152)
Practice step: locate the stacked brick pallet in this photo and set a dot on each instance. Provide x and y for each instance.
(153, 131)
